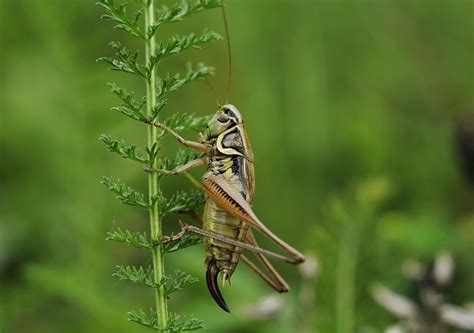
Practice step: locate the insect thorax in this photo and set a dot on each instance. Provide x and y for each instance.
(230, 162)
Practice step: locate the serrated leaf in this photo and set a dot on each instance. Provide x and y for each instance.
(144, 276)
(125, 194)
(152, 153)
(130, 107)
(181, 158)
(180, 121)
(136, 239)
(173, 82)
(136, 275)
(178, 44)
(145, 319)
(178, 323)
(177, 281)
(126, 61)
(158, 108)
(182, 9)
(181, 201)
(187, 240)
(179, 11)
(119, 16)
(115, 146)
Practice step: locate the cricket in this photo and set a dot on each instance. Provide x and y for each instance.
(228, 221)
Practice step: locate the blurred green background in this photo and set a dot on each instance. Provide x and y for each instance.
(351, 106)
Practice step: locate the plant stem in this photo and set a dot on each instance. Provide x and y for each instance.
(345, 277)
(153, 179)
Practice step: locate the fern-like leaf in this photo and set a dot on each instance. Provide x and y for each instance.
(178, 44)
(143, 318)
(187, 240)
(136, 275)
(177, 281)
(181, 201)
(125, 194)
(119, 16)
(179, 11)
(123, 150)
(176, 324)
(126, 61)
(129, 107)
(180, 323)
(182, 157)
(138, 240)
(181, 121)
(174, 82)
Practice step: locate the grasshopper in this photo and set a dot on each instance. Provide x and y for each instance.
(228, 220)
(229, 185)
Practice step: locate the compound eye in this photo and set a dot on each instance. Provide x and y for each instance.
(223, 118)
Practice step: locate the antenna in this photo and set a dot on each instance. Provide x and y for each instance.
(229, 74)
(213, 91)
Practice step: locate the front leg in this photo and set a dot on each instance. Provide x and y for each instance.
(190, 144)
(181, 169)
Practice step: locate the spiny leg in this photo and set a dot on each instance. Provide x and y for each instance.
(277, 283)
(262, 275)
(190, 144)
(183, 168)
(189, 228)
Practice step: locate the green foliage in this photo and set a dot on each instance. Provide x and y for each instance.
(350, 218)
(316, 121)
(176, 324)
(118, 15)
(178, 44)
(140, 240)
(177, 281)
(184, 324)
(144, 276)
(127, 61)
(149, 319)
(130, 107)
(182, 9)
(187, 240)
(180, 121)
(125, 194)
(181, 201)
(152, 153)
(123, 150)
(182, 157)
(172, 83)
(136, 275)
(135, 239)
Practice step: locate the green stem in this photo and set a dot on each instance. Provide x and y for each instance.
(345, 277)
(153, 178)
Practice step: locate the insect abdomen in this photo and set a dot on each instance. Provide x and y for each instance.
(224, 255)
